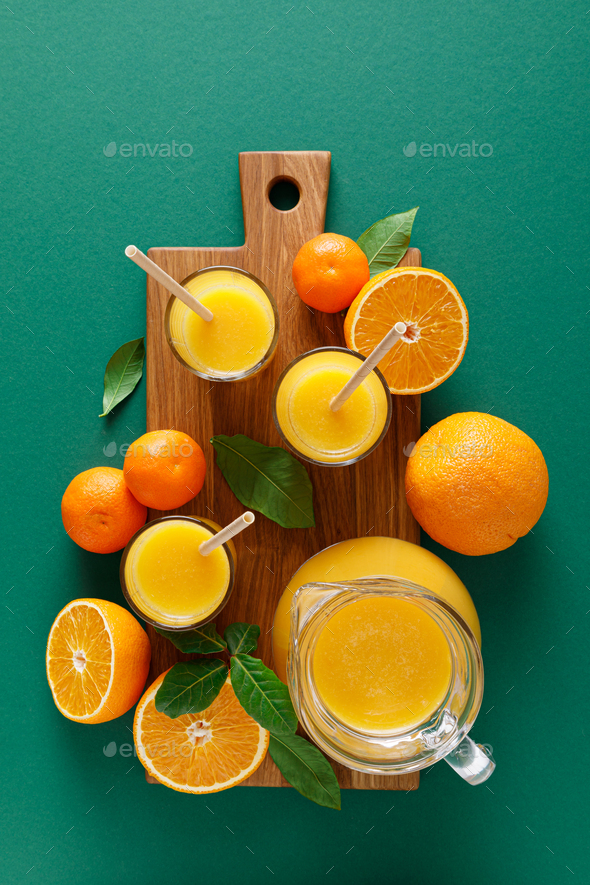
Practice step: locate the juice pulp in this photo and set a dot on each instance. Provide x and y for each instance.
(240, 333)
(169, 580)
(382, 664)
(308, 423)
(366, 558)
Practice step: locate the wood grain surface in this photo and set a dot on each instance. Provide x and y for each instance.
(364, 499)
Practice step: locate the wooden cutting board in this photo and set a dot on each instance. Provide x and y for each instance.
(364, 499)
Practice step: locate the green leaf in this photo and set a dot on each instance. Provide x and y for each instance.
(262, 694)
(123, 371)
(190, 688)
(202, 641)
(306, 769)
(386, 242)
(242, 638)
(267, 479)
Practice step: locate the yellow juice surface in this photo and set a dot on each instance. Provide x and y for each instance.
(367, 558)
(317, 425)
(382, 664)
(167, 577)
(240, 333)
(305, 417)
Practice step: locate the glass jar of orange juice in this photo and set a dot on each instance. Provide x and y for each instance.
(307, 424)
(386, 678)
(379, 642)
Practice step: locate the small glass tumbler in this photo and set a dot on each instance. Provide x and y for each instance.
(302, 414)
(249, 345)
(154, 610)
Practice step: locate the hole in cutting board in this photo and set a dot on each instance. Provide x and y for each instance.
(284, 195)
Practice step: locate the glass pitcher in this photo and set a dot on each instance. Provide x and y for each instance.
(443, 735)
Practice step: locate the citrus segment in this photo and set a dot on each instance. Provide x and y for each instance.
(97, 660)
(201, 752)
(437, 326)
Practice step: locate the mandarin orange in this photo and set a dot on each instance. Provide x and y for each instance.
(437, 326)
(329, 271)
(164, 469)
(99, 512)
(201, 752)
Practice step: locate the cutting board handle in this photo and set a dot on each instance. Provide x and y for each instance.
(308, 170)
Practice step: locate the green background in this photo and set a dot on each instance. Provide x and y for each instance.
(511, 230)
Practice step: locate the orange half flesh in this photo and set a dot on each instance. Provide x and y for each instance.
(437, 326)
(80, 661)
(201, 752)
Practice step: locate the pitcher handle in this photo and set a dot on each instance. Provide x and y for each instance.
(471, 761)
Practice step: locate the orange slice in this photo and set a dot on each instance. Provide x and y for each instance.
(436, 320)
(98, 657)
(201, 752)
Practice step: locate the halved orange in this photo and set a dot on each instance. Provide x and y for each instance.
(98, 657)
(201, 752)
(437, 326)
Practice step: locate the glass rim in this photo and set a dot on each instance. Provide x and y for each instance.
(348, 461)
(238, 376)
(175, 628)
(375, 584)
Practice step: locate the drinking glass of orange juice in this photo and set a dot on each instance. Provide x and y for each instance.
(241, 338)
(310, 427)
(168, 582)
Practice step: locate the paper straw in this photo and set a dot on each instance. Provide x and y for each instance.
(226, 534)
(165, 280)
(368, 365)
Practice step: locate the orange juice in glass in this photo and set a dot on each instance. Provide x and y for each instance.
(241, 338)
(381, 664)
(307, 424)
(168, 582)
(386, 677)
(379, 643)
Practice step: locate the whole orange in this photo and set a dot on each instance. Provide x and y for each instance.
(164, 469)
(476, 483)
(329, 272)
(99, 512)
